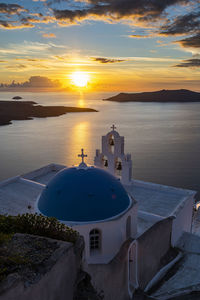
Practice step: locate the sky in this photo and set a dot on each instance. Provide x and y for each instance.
(100, 45)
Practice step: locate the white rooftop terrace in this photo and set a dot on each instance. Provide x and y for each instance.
(155, 201)
(18, 194)
(159, 200)
(44, 174)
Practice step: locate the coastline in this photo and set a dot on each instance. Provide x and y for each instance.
(27, 110)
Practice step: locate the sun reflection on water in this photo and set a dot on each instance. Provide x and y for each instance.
(80, 138)
(81, 102)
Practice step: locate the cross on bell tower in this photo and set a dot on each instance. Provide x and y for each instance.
(113, 127)
(82, 155)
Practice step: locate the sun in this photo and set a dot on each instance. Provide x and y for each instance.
(80, 79)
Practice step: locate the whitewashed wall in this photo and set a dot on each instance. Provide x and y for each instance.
(113, 234)
(183, 220)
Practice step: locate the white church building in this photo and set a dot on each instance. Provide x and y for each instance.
(129, 226)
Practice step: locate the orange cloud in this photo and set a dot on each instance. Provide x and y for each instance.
(49, 35)
(14, 25)
(140, 36)
(105, 60)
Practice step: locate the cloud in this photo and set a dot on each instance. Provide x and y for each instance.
(34, 82)
(49, 35)
(115, 10)
(186, 24)
(41, 81)
(58, 57)
(32, 59)
(39, 19)
(189, 63)
(11, 9)
(10, 14)
(32, 49)
(14, 25)
(18, 66)
(133, 58)
(139, 36)
(190, 42)
(151, 14)
(104, 60)
(14, 16)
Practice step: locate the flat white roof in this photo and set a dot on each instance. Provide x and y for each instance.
(18, 197)
(17, 193)
(158, 199)
(44, 174)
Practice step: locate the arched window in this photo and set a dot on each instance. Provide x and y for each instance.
(95, 240)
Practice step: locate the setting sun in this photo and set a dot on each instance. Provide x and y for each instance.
(80, 79)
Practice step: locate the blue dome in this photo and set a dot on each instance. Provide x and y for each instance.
(83, 195)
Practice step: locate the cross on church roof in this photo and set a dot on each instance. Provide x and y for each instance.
(82, 155)
(113, 127)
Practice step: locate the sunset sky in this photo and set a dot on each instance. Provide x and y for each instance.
(117, 45)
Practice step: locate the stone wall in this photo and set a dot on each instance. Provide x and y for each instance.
(183, 221)
(111, 280)
(152, 247)
(56, 278)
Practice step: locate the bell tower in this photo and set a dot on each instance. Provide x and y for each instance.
(112, 157)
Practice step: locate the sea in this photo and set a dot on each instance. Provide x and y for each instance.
(163, 138)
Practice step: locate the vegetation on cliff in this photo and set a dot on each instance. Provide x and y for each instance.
(37, 225)
(24, 254)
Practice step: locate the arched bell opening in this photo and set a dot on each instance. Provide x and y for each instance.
(111, 143)
(105, 162)
(118, 167)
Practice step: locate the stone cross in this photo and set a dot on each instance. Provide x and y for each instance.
(82, 155)
(113, 127)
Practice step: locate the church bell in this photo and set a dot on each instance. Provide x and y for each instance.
(105, 163)
(119, 166)
(112, 142)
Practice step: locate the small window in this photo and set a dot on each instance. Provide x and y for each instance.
(95, 240)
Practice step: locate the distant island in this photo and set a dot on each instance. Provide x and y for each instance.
(158, 96)
(27, 110)
(17, 98)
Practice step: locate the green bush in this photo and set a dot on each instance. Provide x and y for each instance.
(37, 225)
(5, 237)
